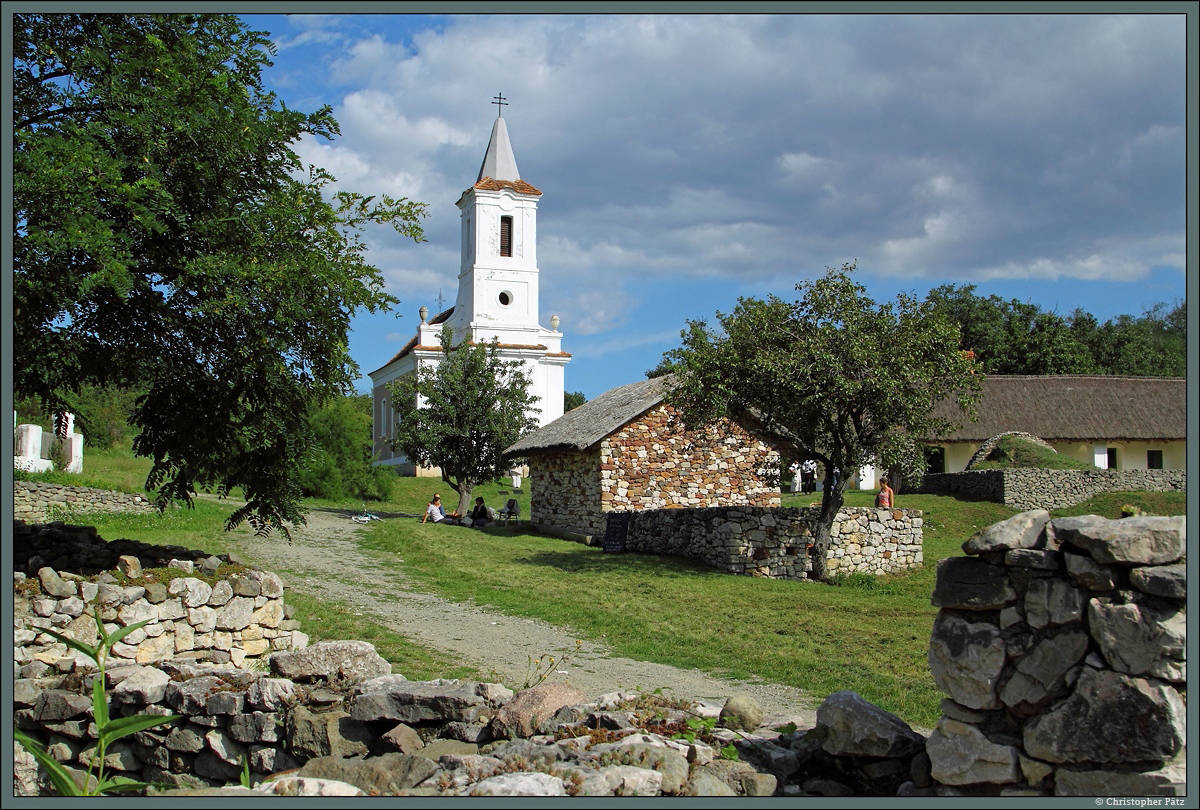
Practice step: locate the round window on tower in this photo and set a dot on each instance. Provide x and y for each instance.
(506, 298)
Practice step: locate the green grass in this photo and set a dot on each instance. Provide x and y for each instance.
(115, 468)
(1108, 504)
(323, 621)
(201, 527)
(869, 635)
(1013, 451)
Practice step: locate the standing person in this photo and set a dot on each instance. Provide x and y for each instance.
(795, 471)
(883, 499)
(809, 471)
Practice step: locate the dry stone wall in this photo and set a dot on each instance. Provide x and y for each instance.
(34, 501)
(775, 542)
(202, 613)
(1061, 645)
(565, 492)
(1049, 489)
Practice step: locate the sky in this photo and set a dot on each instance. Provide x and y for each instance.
(686, 161)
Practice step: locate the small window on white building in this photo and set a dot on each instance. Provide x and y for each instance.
(1112, 458)
(1154, 460)
(506, 298)
(506, 224)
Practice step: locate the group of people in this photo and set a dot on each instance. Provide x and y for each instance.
(804, 476)
(482, 515)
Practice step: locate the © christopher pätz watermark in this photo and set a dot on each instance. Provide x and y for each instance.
(1121, 801)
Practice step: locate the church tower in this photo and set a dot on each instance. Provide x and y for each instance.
(497, 296)
(498, 278)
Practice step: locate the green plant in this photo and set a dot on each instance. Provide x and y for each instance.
(58, 455)
(540, 669)
(109, 730)
(1129, 510)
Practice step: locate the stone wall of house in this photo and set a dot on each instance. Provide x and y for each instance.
(1049, 489)
(652, 463)
(1061, 647)
(34, 501)
(564, 491)
(774, 542)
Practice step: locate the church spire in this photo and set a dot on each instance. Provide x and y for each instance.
(499, 163)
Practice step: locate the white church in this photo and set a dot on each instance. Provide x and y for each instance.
(497, 297)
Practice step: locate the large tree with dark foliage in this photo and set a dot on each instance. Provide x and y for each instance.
(831, 377)
(167, 237)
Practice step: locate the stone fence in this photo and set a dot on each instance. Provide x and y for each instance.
(773, 542)
(34, 501)
(227, 616)
(1061, 645)
(1022, 488)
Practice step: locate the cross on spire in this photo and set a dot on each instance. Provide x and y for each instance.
(500, 103)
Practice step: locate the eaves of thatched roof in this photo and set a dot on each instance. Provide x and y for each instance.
(1076, 408)
(582, 427)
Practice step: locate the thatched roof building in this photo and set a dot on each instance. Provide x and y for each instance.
(1139, 422)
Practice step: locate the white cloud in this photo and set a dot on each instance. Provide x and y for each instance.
(760, 148)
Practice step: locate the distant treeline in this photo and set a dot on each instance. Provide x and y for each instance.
(1011, 337)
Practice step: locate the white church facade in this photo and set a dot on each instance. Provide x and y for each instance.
(497, 297)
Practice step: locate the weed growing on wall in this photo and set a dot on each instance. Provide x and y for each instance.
(109, 730)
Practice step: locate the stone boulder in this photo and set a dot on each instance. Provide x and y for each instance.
(1024, 531)
(521, 716)
(391, 697)
(383, 775)
(1111, 718)
(853, 726)
(326, 660)
(968, 583)
(966, 660)
(1128, 541)
(741, 712)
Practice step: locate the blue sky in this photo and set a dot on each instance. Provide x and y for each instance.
(689, 160)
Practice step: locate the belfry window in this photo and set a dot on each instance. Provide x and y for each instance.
(506, 236)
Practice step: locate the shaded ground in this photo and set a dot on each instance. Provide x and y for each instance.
(323, 561)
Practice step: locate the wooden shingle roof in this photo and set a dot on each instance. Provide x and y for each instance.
(592, 421)
(1076, 408)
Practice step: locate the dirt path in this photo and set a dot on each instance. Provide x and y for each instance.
(323, 560)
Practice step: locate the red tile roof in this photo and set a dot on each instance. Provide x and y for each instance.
(519, 186)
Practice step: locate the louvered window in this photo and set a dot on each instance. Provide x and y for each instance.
(505, 236)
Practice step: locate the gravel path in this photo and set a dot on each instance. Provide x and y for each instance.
(323, 560)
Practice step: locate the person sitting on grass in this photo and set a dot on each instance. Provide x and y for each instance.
(480, 516)
(438, 514)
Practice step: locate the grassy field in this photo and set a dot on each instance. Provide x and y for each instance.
(869, 635)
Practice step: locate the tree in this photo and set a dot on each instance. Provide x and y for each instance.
(339, 463)
(572, 400)
(168, 238)
(462, 414)
(831, 377)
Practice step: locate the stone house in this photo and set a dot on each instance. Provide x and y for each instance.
(627, 450)
(1121, 423)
